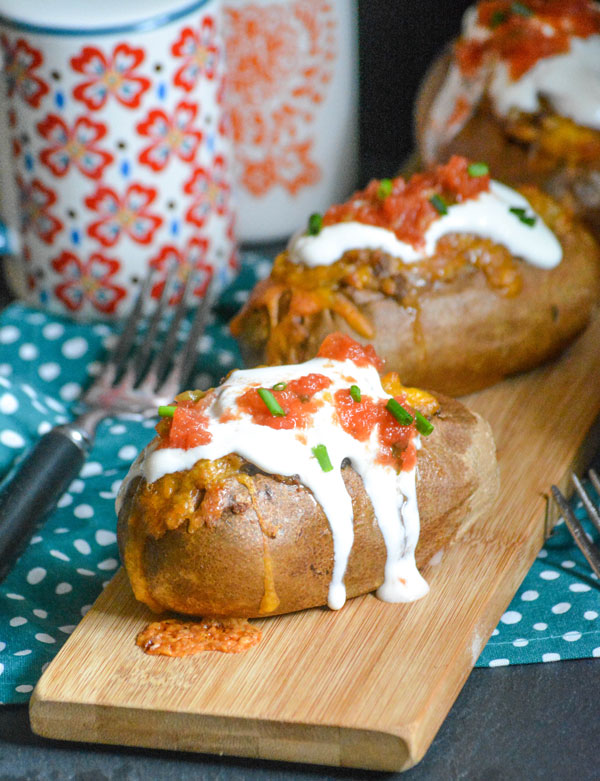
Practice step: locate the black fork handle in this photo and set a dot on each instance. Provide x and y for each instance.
(35, 485)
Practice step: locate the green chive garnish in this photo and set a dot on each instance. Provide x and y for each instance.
(521, 214)
(384, 189)
(355, 392)
(315, 223)
(402, 416)
(478, 169)
(322, 456)
(439, 204)
(521, 9)
(271, 402)
(497, 18)
(280, 386)
(166, 411)
(424, 426)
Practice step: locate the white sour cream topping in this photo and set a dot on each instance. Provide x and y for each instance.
(487, 215)
(392, 495)
(570, 82)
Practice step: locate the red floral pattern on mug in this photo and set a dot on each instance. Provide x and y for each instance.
(88, 281)
(192, 258)
(76, 145)
(35, 199)
(110, 75)
(199, 52)
(20, 62)
(123, 215)
(171, 135)
(209, 189)
(279, 60)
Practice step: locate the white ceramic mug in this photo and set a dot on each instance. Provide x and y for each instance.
(116, 145)
(293, 96)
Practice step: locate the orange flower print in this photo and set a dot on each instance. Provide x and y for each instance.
(35, 201)
(280, 63)
(89, 280)
(20, 63)
(209, 190)
(199, 53)
(193, 258)
(123, 215)
(170, 135)
(75, 145)
(110, 75)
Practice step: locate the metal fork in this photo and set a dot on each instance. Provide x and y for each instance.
(133, 380)
(589, 550)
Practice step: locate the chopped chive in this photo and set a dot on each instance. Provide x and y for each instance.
(439, 204)
(424, 426)
(322, 456)
(279, 386)
(315, 223)
(271, 402)
(402, 416)
(384, 189)
(497, 18)
(355, 392)
(521, 9)
(521, 214)
(166, 411)
(478, 169)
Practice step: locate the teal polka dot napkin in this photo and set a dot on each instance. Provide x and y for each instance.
(45, 361)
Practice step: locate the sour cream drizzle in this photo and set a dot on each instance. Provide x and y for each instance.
(488, 215)
(570, 81)
(280, 451)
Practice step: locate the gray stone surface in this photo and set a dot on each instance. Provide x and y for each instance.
(538, 721)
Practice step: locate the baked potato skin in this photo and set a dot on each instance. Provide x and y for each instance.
(219, 569)
(463, 335)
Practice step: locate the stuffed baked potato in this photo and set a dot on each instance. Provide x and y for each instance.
(521, 89)
(237, 510)
(455, 279)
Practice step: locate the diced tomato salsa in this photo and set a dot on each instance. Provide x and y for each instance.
(296, 400)
(407, 210)
(360, 418)
(189, 426)
(341, 347)
(518, 32)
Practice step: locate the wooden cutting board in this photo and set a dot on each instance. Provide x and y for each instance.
(365, 687)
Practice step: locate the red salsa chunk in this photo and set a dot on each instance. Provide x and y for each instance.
(407, 208)
(296, 400)
(517, 32)
(189, 425)
(396, 442)
(341, 347)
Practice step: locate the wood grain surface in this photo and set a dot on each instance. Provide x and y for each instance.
(367, 686)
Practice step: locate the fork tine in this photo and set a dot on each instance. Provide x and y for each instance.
(162, 359)
(577, 531)
(118, 356)
(587, 502)
(185, 361)
(143, 353)
(595, 480)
